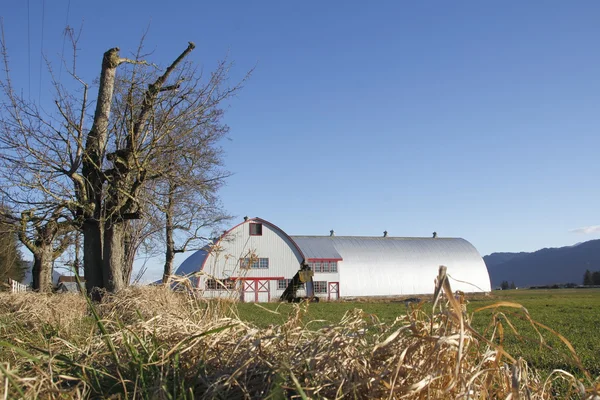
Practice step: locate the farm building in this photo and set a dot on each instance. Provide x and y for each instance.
(255, 261)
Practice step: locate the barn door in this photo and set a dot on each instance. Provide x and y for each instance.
(248, 292)
(256, 290)
(263, 294)
(333, 291)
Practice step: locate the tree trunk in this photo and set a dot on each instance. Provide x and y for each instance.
(169, 254)
(42, 269)
(169, 230)
(91, 194)
(92, 258)
(130, 251)
(114, 257)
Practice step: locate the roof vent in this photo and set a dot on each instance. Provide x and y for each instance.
(434, 235)
(246, 218)
(384, 233)
(332, 233)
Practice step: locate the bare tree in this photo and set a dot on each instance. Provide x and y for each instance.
(175, 153)
(40, 155)
(100, 174)
(48, 238)
(11, 263)
(186, 194)
(45, 236)
(190, 220)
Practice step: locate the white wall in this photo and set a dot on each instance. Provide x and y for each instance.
(224, 259)
(393, 266)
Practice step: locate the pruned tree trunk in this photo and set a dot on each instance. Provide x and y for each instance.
(92, 257)
(158, 117)
(91, 194)
(114, 257)
(46, 234)
(42, 269)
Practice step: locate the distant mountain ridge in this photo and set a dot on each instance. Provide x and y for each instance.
(547, 266)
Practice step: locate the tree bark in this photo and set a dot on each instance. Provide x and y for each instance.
(42, 269)
(130, 250)
(114, 256)
(92, 258)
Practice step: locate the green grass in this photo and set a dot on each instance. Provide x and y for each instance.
(318, 315)
(574, 313)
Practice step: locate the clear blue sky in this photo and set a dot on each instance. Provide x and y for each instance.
(473, 119)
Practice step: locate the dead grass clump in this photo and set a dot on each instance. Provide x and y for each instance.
(152, 343)
(62, 312)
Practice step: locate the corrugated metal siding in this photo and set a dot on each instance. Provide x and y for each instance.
(385, 266)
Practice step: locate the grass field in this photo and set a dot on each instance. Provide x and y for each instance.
(152, 343)
(574, 313)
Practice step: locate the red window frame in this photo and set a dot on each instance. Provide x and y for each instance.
(324, 265)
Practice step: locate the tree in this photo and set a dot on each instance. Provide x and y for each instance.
(99, 171)
(596, 278)
(45, 236)
(11, 263)
(185, 195)
(587, 278)
(148, 128)
(48, 240)
(504, 285)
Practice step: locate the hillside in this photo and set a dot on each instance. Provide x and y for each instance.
(545, 266)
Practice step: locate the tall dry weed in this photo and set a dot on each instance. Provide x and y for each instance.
(153, 343)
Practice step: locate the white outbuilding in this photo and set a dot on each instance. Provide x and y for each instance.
(255, 261)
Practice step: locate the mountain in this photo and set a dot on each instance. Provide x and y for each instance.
(546, 266)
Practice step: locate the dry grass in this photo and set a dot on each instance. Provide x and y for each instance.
(156, 344)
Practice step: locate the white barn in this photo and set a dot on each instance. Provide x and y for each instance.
(255, 260)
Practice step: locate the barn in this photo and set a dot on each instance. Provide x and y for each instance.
(255, 260)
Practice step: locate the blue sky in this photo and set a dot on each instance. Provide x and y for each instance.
(472, 119)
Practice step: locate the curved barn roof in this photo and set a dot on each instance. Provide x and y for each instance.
(193, 263)
(384, 266)
(381, 266)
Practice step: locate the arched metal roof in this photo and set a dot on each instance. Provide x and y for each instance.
(193, 263)
(385, 266)
(196, 261)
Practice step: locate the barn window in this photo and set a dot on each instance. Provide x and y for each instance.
(332, 266)
(320, 286)
(255, 229)
(323, 266)
(282, 284)
(217, 284)
(254, 263)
